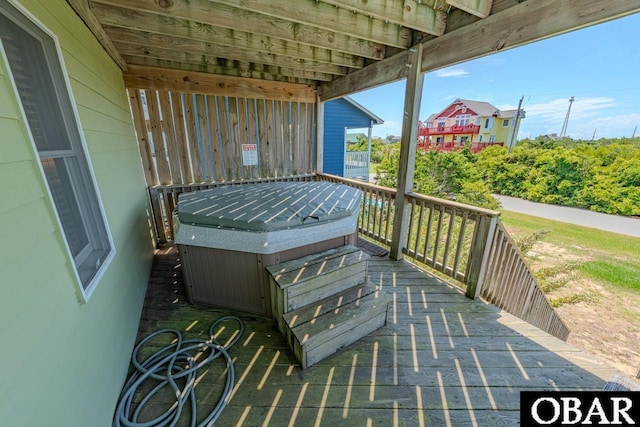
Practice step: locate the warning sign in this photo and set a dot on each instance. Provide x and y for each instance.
(249, 154)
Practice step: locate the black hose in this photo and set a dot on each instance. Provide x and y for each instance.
(170, 363)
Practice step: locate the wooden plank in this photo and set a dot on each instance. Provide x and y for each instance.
(330, 18)
(287, 139)
(263, 141)
(169, 129)
(190, 82)
(227, 149)
(111, 16)
(278, 142)
(234, 137)
(194, 153)
(203, 139)
(235, 69)
(311, 137)
(237, 19)
(214, 127)
(270, 136)
(479, 8)
(242, 135)
(132, 42)
(155, 123)
(81, 7)
(295, 137)
(181, 137)
(408, 13)
(319, 149)
(406, 169)
(139, 122)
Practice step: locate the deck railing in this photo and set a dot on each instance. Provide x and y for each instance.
(510, 284)
(466, 243)
(356, 164)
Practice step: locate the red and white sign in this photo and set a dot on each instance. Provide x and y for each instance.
(249, 154)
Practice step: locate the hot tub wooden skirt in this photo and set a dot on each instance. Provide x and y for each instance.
(238, 280)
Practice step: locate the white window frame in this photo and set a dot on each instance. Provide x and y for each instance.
(463, 119)
(80, 151)
(505, 123)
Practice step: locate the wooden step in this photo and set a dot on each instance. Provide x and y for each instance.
(311, 312)
(306, 280)
(325, 334)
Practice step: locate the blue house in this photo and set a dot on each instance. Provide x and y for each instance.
(341, 115)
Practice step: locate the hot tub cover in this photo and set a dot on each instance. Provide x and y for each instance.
(268, 206)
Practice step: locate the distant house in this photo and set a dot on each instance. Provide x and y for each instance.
(340, 116)
(464, 121)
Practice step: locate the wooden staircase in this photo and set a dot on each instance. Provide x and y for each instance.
(323, 302)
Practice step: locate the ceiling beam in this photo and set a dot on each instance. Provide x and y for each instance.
(206, 12)
(515, 26)
(157, 44)
(407, 13)
(191, 82)
(323, 15)
(81, 7)
(153, 23)
(479, 8)
(236, 69)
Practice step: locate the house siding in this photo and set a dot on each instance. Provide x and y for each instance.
(64, 361)
(338, 115)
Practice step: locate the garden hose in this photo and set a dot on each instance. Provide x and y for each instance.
(172, 363)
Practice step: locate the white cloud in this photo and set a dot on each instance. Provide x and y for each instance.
(452, 72)
(556, 110)
(613, 126)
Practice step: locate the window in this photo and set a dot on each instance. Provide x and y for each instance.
(505, 123)
(441, 123)
(463, 119)
(492, 138)
(488, 123)
(43, 93)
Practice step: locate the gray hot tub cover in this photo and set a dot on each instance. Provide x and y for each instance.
(268, 206)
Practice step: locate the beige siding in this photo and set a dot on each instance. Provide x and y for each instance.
(63, 360)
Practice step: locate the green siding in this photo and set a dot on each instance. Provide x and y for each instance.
(64, 361)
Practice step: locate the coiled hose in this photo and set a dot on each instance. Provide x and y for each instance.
(169, 364)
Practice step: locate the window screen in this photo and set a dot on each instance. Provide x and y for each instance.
(42, 91)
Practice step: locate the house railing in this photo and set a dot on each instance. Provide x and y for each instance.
(466, 243)
(356, 164)
(441, 130)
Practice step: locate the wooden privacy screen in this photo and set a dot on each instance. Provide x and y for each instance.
(189, 138)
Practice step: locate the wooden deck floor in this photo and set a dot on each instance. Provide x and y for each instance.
(441, 360)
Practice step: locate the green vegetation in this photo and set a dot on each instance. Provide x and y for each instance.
(621, 274)
(602, 176)
(609, 258)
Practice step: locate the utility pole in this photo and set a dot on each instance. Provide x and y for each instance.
(563, 132)
(512, 140)
(634, 132)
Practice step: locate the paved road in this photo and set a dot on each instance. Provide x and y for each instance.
(613, 223)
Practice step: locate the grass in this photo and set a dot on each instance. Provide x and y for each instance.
(613, 259)
(621, 273)
(576, 237)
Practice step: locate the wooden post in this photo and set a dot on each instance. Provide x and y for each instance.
(479, 255)
(406, 169)
(319, 135)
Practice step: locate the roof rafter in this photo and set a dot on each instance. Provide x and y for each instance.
(323, 15)
(408, 13)
(207, 12)
(153, 23)
(480, 8)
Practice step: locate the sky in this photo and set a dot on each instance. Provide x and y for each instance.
(598, 65)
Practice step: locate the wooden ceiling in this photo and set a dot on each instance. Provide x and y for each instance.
(338, 45)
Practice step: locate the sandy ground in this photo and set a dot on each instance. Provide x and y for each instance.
(606, 323)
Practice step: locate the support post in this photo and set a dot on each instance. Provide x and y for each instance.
(479, 254)
(319, 135)
(408, 141)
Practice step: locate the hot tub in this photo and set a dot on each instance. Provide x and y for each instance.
(228, 235)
